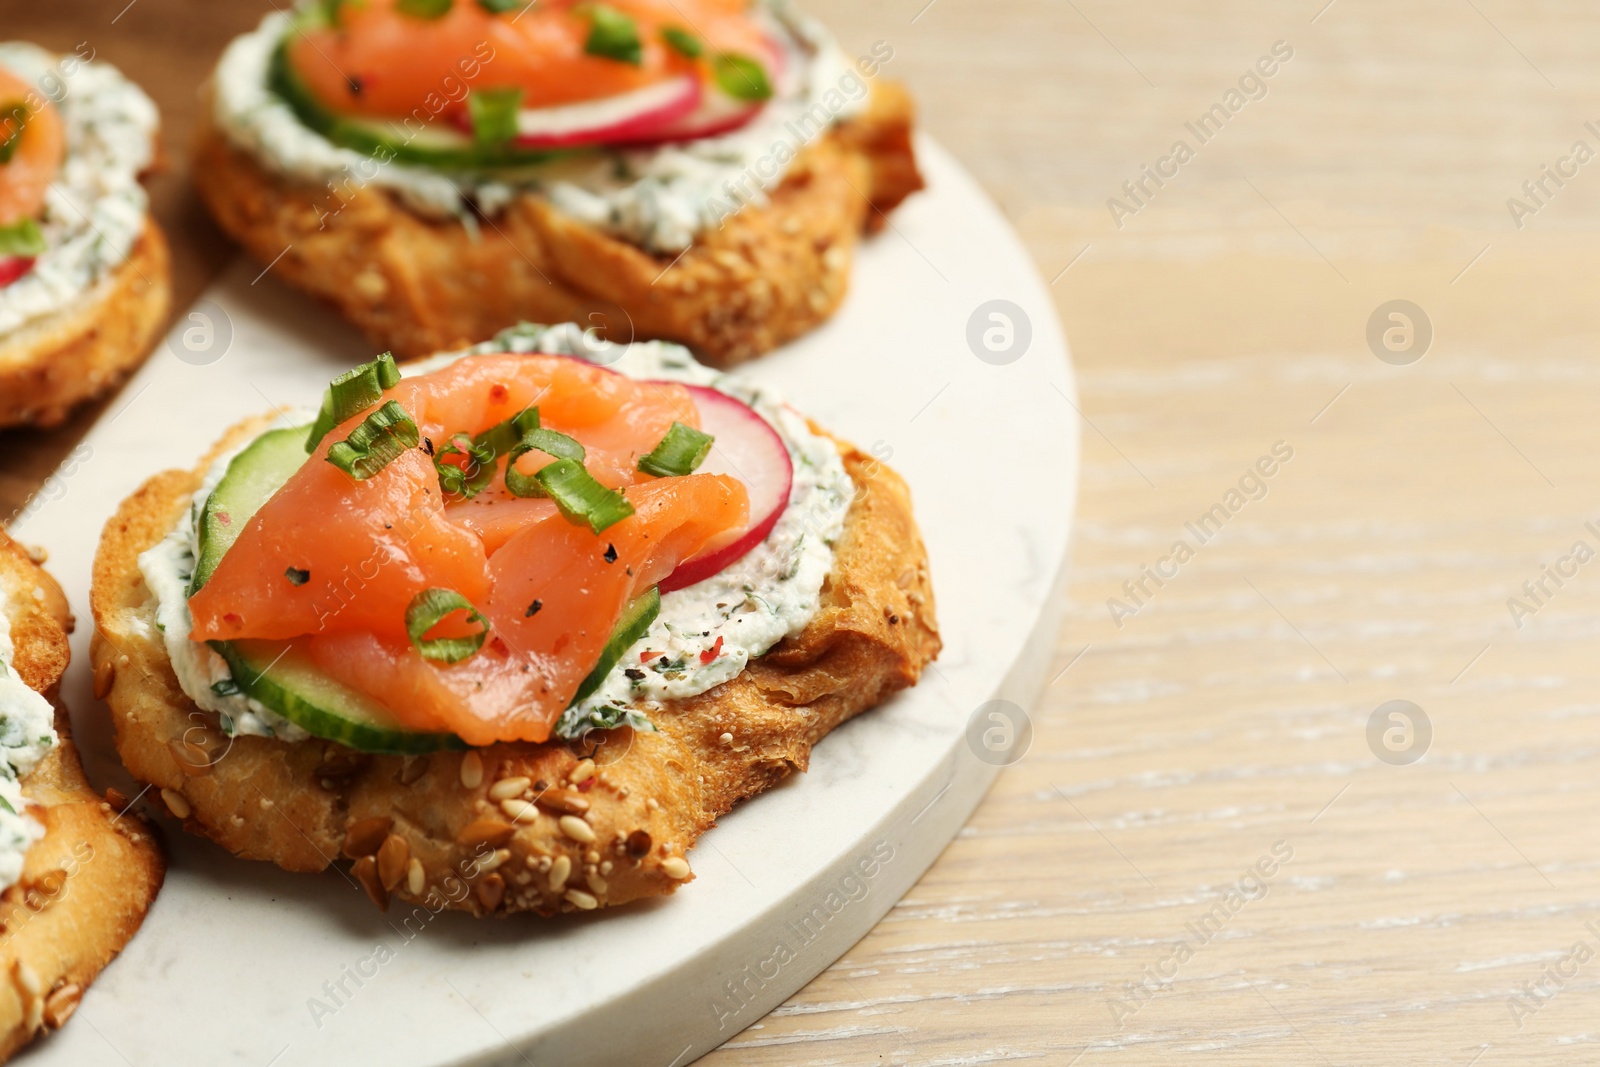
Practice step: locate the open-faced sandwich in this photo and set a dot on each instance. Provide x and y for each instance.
(84, 283)
(76, 874)
(695, 170)
(509, 631)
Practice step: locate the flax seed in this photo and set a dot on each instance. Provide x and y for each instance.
(393, 857)
(365, 836)
(105, 676)
(491, 832)
(564, 801)
(365, 871)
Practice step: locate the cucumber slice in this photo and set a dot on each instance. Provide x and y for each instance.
(433, 145)
(249, 482)
(634, 624)
(281, 676)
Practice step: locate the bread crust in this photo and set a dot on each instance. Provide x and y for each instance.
(416, 286)
(653, 794)
(87, 884)
(86, 349)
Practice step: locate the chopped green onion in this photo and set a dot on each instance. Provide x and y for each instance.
(472, 479)
(679, 453)
(15, 114)
(380, 440)
(352, 393)
(500, 7)
(580, 498)
(683, 42)
(21, 239)
(7, 804)
(504, 436)
(330, 11)
(612, 35)
(424, 9)
(427, 609)
(494, 114)
(741, 77)
(549, 442)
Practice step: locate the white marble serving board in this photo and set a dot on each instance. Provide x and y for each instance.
(236, 957)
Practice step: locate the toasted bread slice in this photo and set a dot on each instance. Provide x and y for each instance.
(418, 286)
(85, 885)
(84, 350)
(425, 830)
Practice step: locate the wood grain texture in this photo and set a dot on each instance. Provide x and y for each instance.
(1426, 913)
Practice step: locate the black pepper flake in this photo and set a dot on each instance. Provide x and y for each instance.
(355, 85)
(427, 445)
(533, 609)
(634, 673)
(611, 553)
(297, 576)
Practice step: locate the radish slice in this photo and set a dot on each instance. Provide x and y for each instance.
(14, 267)
(749, 449)
(613, 120)
(719, 113)
(716, 114)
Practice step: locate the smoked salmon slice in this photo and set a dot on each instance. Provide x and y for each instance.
(32, 143)
(338, 559)
(558, 590)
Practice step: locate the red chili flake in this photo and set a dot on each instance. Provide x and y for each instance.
(644, 657)
(712, 653)
(586, 785)
(232, 620)
(224, 518)
(497, 392)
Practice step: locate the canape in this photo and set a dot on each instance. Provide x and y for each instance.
(699, 171)
(77, 872)
(84, 276)
(510, 631)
